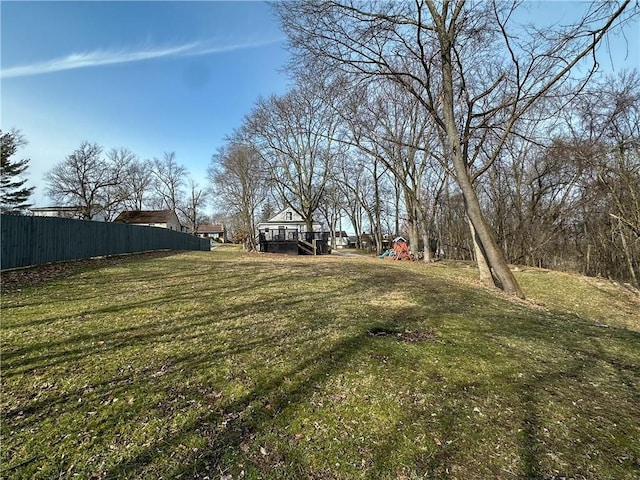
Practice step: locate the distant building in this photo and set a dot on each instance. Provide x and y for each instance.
(287, 232)
(152, 218)
(287, 225)
(341, 240)
(214, 231)
(66, 212)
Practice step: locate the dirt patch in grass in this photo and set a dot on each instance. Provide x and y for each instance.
(406, 336)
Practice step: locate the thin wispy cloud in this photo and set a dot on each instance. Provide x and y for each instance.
(211, 49)
(106, 57)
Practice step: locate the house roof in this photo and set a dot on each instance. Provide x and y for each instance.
(210, 228)
(146, 216)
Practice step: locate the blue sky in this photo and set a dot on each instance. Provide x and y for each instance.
(155, 77)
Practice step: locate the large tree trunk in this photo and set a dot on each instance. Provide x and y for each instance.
(332, 232)
(377, 229)
(396, 212)
(485, 238)
(481, 259)
(427, 258)
(309, 226)
(414, 234)
(251, 232)
(629, 259)
(425, 234)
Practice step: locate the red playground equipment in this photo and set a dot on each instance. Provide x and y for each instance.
(400, 251)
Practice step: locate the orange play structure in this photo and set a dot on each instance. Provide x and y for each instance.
(400, 251)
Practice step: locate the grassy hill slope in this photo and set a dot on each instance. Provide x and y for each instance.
(230, 365)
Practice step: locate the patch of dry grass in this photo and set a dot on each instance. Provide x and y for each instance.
(593, 299)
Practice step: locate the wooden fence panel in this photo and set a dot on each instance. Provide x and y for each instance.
(38, 240)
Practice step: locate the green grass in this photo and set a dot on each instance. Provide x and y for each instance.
(230, 365)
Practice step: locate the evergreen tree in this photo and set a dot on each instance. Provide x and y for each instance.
(14, 195)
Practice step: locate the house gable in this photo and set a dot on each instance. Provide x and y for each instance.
(286, 215)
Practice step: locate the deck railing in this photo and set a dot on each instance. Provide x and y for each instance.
(292, 241)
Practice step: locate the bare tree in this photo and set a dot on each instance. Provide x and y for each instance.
(568, 195)
(193, 204)
(472, 68)
(355, 185)
(115, 197)
(609, 143)
(137, 184)
(85, 179)
(394, 131)
(331, 207)
(294, 134)
(169, 181)
(238, 173)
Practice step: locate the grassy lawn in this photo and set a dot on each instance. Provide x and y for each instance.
(230, 365)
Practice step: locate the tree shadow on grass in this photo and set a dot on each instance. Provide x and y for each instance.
(241, 418)
(163, 323)
(233, 422)
(557, 416)
(566, 398)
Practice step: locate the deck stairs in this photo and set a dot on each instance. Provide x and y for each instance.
(307, 247)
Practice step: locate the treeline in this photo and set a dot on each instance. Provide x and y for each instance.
(102, 183)
(107, 182)
(452, 123)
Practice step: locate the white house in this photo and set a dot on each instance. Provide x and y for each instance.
(286, 225)
(341, 240)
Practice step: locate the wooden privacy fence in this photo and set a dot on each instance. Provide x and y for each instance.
(38, 240)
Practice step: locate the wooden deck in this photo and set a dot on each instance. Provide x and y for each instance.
(315, 244)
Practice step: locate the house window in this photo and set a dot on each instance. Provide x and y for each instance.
(289, 216)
